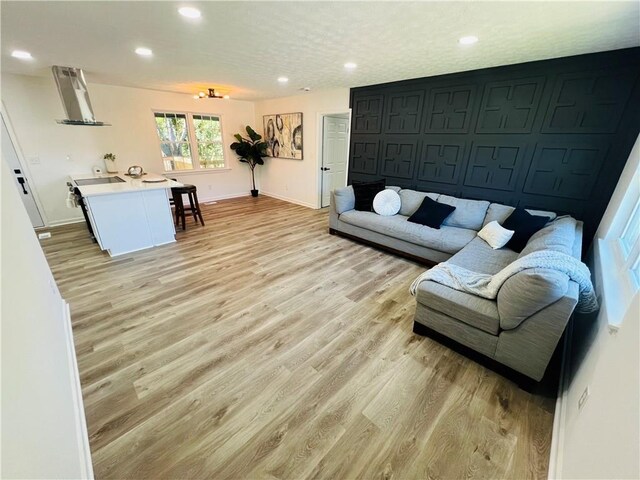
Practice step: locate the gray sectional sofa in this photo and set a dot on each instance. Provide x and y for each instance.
(522, 326)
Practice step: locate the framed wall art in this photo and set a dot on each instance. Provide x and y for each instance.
(283, 134)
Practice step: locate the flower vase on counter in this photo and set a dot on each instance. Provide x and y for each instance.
(110, 163)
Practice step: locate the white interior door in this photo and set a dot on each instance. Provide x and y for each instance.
(335, 147)
(10, 156)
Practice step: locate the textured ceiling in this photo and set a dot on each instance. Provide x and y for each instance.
(242, 47)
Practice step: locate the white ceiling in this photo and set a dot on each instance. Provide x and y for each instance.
(242, 47)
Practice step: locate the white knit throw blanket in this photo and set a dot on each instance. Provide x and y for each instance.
(487, 286)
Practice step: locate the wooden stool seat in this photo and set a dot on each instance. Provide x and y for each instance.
(193, 208)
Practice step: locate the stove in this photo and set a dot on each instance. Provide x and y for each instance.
(98, 181)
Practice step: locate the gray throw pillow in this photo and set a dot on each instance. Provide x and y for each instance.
(345, 199)
(468, 213)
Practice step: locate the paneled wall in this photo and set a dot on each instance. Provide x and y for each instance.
(550, 135)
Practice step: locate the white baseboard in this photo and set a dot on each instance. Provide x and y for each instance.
(66, 221)
(560, 414)
(215, 198)
(290, 200)
(81, 422)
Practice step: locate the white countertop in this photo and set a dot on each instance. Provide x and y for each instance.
(129, 184)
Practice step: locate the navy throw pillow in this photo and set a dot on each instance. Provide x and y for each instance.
(431, 213)
(524, 226)
(365, 192)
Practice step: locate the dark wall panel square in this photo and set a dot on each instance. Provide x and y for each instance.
(440, 161)
(398, 158)
(449, 109)
(510, 106)
(367, 114)
(495, 166)
(567, 171)
(364, 156)
(404, 112)
(589, 102)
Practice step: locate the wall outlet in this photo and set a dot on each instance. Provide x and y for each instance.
(583, 398)
(44, 235)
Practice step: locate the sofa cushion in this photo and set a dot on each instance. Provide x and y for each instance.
(412, 199)
(345, 199)
(446, 239)
(365, 192)
(558, 235)
(495, 235)
(527, 292)
(469, 213)
(386, 202)
(431, 213)
(470, 309)
(499, 213)
(478, 256)
(524, 225)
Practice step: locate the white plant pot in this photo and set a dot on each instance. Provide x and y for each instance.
(111, 166)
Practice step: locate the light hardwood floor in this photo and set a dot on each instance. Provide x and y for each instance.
(260, 346)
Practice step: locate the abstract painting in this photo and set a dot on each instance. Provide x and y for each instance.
(283, 134)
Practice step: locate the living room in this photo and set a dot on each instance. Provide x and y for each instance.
(249, 341)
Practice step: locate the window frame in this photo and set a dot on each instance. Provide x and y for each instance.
(193, 142)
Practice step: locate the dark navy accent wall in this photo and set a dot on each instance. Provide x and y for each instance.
(551, 135)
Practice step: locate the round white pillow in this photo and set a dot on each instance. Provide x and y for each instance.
(387, 203)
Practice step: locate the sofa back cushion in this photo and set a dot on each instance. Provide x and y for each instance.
(500, 213)
(559, 235)
(345, 199)
(411, 200)
(527, 292)
(365, 192)
(468, 213)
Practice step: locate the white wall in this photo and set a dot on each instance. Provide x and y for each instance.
(603, 439)
(298, 181)
(33, 105)
(43, 426)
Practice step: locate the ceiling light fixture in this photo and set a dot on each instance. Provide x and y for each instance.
(350, 65)
(468, 40)
(189, 12)
(210, 93)
(21, 54)
(144, 52)
(283, 79)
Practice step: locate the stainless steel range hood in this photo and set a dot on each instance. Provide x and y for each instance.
(75, 97)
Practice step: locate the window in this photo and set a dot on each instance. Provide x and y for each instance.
(190, 141)
(630, 244)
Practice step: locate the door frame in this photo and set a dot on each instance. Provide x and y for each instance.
(24, 166)
(320, 148)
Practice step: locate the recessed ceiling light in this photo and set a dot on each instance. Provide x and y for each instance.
(21, 54)
(469, 40)
(145, 52)
(189, 12)
(350, 65)
(283, 79)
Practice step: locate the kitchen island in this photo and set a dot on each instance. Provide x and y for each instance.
(127, 214)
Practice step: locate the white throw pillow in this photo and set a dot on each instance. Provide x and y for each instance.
(495, 235)
(387, 203)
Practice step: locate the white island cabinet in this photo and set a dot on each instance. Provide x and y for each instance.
(131, 213)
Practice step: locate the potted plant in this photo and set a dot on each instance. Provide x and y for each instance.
(110, 162)
(251, 151)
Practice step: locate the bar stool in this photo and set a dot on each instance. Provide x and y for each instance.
(193, 208)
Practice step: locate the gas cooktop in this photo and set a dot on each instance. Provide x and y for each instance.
(98, 181)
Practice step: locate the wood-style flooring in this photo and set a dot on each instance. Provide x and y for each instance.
(260, 346)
